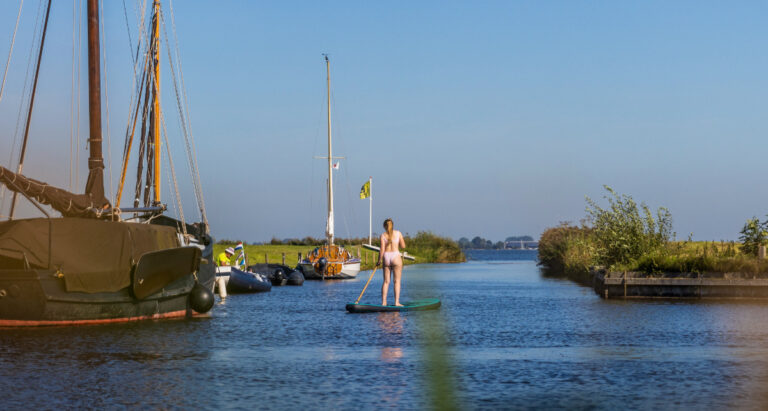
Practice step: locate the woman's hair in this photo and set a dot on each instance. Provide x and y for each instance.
(389, 226)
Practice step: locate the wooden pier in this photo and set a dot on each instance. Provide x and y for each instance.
(686, 285)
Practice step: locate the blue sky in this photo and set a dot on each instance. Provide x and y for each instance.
(474, 118)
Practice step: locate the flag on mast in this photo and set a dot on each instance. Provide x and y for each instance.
(336, 165)
(365, 191)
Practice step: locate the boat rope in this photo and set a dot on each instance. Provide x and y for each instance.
(193, 160)
(72, 145)
(23, 152)
(130, 128)
(173, 175)
(184, 119)
(26, 91)
(10, 51)
(78, 100)
(103, 43)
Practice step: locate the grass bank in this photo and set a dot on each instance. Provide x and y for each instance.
(425, 246)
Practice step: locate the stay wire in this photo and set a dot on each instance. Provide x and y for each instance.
(10, 51)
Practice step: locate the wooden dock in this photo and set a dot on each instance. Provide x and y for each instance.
(687, 285)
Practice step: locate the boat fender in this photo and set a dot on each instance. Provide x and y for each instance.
(201, 298)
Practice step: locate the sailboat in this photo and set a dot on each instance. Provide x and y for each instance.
(330, 261)
(97, 262)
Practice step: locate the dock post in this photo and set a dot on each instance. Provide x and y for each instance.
(761, 252)
(283, 258)
(625, 284)
(358, 252)
(299, 261)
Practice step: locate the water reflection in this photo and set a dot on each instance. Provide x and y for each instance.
(391, 325)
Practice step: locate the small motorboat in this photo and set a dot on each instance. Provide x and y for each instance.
(278, 274)
(247, 282)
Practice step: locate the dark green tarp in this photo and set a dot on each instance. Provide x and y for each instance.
(93, 255)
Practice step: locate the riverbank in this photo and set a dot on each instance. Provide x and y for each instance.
(428, 248)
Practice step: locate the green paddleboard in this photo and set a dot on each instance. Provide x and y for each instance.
(417, 305)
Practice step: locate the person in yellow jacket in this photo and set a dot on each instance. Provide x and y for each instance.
(223, 258)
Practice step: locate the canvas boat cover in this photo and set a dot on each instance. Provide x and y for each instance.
(93, 255)
(68, 204)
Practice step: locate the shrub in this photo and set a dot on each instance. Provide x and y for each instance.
(568, 249)
(753, 235)
(625, 231)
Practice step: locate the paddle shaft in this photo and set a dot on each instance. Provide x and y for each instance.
(366, 285)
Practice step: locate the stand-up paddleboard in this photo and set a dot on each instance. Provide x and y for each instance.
(377, 249)
(417, 305)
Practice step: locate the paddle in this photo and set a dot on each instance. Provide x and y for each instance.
(366, 284)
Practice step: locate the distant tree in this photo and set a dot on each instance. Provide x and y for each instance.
(753, 234)
(478, 242)
(519, 238)
(499, 245)
(275, 241)
(464, 242)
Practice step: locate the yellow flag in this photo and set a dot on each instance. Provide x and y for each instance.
(365, 192)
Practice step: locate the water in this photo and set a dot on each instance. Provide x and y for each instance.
(514, 339)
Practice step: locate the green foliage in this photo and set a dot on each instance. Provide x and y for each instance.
(568, 249)
(753, 235)
(432, 248)
(625, 231)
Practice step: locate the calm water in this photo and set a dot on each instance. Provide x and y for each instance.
(513, 339)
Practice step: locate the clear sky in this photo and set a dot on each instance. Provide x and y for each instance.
(474, 118)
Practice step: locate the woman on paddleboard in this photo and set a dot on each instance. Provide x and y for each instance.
(389, 256)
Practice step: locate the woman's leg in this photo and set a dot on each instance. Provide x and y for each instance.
(398, 274)
(385, 286)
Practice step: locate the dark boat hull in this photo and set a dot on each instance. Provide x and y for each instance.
(245, 282)
(290, 276)
(40, 296)
(417, 305)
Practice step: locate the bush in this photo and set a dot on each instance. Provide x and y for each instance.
(568, 249)
(625, 231)
(753, 235)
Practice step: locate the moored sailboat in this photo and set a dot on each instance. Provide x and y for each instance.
(91, 265)
(330, 261)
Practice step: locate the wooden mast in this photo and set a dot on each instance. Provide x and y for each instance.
(329, 230)
(95, 184)
(156, 98)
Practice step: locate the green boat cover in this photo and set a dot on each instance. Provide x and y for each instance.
(416, 305)
(92, 255)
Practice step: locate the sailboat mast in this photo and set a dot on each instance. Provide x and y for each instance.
(156, 98)
(330, 157)
(95, 184)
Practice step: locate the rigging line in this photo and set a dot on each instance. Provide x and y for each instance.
(10, 52)
(103, 43)
(79, 60)
(184, 122)
(186, 106)
(72, 94)
(173, 174)
(31, 104)
(24, 98)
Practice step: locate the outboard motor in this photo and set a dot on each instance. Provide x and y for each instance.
(279, 275)
(322, 265)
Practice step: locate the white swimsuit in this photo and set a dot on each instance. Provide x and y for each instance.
(391, 256)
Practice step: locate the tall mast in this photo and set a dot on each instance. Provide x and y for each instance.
(95, 184)
(156, 97)
(329, 230)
